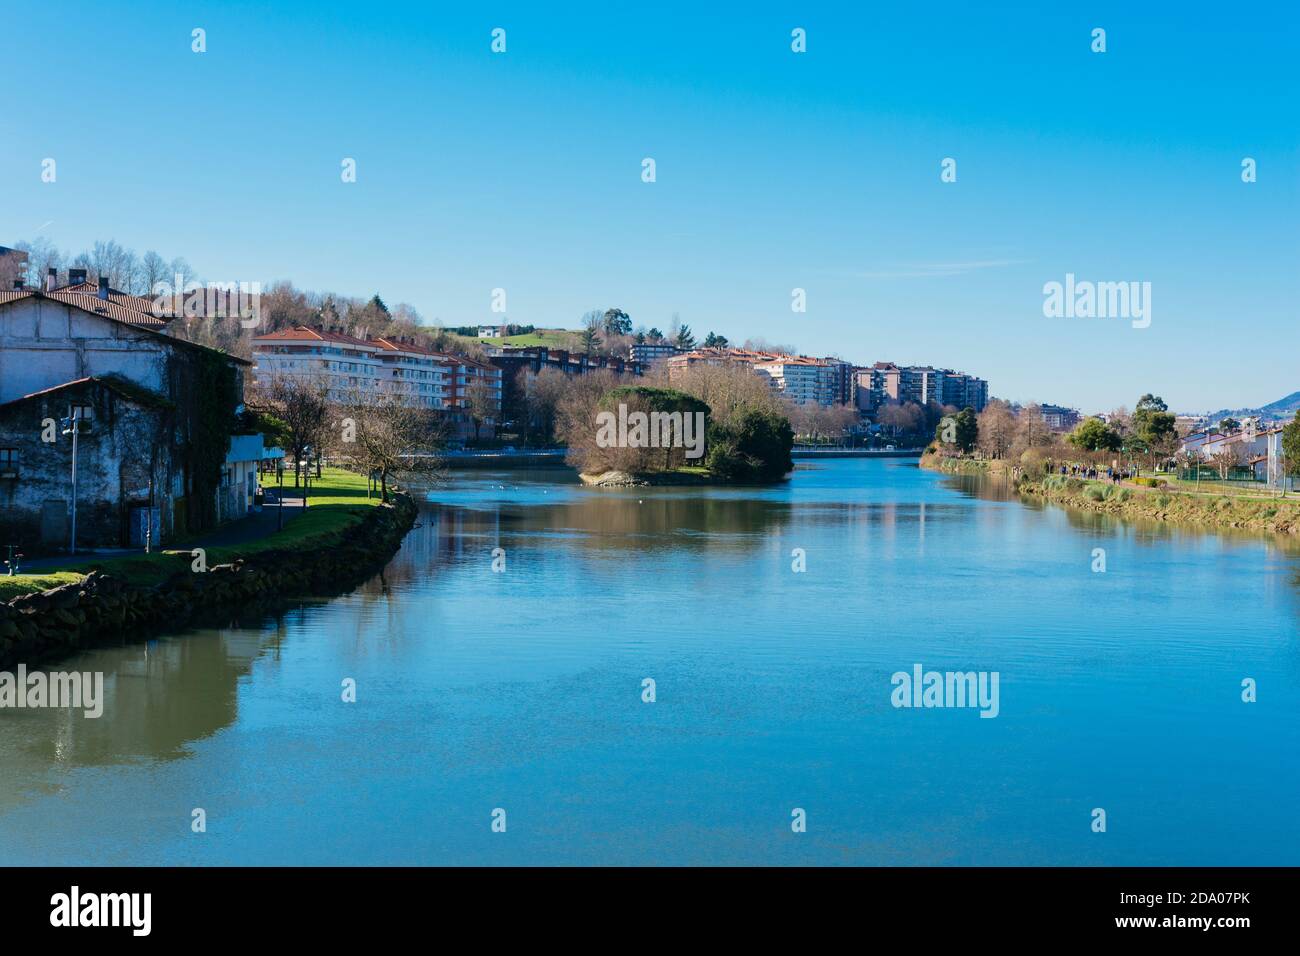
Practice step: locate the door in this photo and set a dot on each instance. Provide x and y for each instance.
(54, 523)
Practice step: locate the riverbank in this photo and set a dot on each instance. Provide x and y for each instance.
(965, 466)
(1263, 515)
(334, 545)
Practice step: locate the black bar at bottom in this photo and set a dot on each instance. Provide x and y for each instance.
(367, 905)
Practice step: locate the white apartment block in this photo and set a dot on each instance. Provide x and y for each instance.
(353, 367)
(803, 380)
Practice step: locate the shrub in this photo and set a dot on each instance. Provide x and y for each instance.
(756, 447)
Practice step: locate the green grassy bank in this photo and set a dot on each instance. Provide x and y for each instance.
(1208, 509)
(337, 502)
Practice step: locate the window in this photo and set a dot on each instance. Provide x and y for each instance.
(8, 462)
(82, 411)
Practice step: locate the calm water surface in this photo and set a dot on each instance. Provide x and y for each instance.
(522, 690)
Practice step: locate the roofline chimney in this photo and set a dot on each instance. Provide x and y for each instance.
(103, 288)
(52, 280)
(19, 284)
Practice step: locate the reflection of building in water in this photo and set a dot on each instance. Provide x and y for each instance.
(158, 697)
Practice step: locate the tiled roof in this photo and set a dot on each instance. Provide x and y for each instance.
(120, 307)
(126, 389)
(116, 313)
(393, 345)
(303, 333)
(137, 302)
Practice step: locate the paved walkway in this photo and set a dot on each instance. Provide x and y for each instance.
(250, 528)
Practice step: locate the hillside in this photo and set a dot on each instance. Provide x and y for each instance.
(550, 338)
(1282, 408)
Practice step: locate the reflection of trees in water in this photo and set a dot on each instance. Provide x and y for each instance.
(658, 522)
(158, 697)
(442, 536)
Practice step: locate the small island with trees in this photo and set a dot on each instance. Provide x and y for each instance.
(716, 429)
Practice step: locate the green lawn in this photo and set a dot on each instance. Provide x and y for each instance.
(550, 338)
(18, 584)
(336, 501)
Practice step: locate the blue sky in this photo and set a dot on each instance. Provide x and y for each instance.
(774, 171)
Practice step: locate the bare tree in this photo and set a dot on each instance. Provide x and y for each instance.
(997, 428)
(481, 403)
(1225, 459)
(543, 393)
(391, 438)
(302, 404)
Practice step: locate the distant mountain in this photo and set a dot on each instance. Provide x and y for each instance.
(1282, 408)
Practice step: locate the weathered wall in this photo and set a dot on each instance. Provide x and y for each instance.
(44, 343)
(126, 442)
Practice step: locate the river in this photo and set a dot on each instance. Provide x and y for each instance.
(521, 690)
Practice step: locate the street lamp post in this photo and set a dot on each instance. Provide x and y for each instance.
(73, 427)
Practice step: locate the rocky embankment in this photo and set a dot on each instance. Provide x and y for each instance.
(622, 479)
(103, 609)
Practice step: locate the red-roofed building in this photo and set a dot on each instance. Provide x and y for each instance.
(354, 368)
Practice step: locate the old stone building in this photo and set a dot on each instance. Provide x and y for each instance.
(124, 465)
(171, 408)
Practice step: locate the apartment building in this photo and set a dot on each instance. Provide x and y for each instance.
(353, 367)
(424, 376)
(803, 380)
(348, 366)
(519, 365)
(921, 384)
(1059, 418)
(648, 353)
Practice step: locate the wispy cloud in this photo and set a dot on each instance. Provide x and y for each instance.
(932, 270)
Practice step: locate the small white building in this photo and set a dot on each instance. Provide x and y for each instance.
(239, 479)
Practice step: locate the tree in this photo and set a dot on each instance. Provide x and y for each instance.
(1153, 426)
(968, 432)
(654, 335)
(616, 322)
(684, 339)
(153, 270)
(712, 341)
(543, 393)
(1092, 434)
(1032, 430)
(482, 404)
(1226, 458)
(592, 323)
(1291, 446)
(730, 390)
(591, 451)
(997, 429)
(301, 403)
(907, 418)
(42, 255)
(756, 447)
(1229, 425)
(391, 437)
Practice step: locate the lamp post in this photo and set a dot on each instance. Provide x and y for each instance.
(279, 494)
(72, 426)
